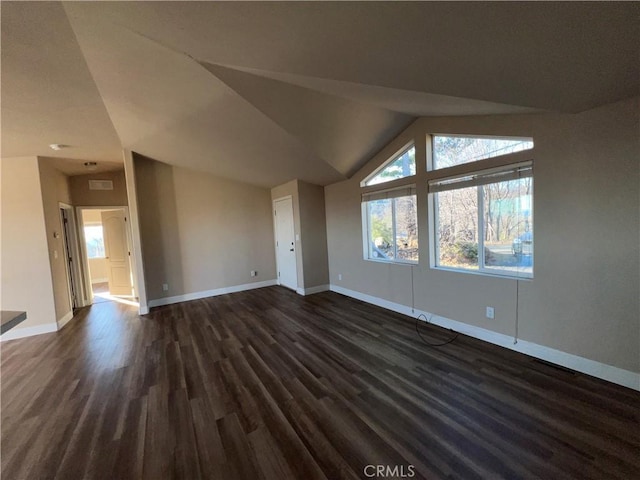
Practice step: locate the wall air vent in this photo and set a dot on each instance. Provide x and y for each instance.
(100, 185)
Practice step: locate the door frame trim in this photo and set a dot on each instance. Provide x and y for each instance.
(275, 235)
(76, 275)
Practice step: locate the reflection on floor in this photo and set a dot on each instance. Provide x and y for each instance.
(101, 294)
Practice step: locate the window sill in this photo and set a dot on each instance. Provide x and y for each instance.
(391, 262)
(487, 273)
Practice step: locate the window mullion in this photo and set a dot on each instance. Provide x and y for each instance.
(393, 228)
(369, 249)
(481, 231)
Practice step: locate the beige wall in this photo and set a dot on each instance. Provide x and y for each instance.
(83, 197)
(584, 298)
(137, 267)
(200, 232)
(55, 189)
(313, 228)
(92, 216)
(26, 273)
(310, 229)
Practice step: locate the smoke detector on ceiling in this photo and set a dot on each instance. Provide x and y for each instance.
(56, 146)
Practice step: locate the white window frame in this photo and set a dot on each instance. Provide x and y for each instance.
(431, 166)
(388, 189)
(488, 165)
(391, 194)
(384, 185)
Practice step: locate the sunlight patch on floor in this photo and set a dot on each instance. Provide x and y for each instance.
(125, 299)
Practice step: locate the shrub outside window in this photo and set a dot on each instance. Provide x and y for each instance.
(484, 221)
(389, 212)
(481, 209)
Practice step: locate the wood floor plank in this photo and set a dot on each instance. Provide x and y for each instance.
(269, 458)
(266, 384)
(237, 449)
(129, 460)
(211, 454)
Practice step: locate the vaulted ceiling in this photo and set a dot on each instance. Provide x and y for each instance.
(264, 92)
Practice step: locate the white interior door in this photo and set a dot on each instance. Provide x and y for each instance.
(285, 244)
(114, 228)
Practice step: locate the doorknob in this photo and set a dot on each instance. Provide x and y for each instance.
(291, 249)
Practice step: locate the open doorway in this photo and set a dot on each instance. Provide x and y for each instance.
(106, 242)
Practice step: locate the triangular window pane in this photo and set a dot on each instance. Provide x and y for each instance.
(404, 165)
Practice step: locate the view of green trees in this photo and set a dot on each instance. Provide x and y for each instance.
(399, 239)
(403, 166)
(94, 240)
(506, 208)
(390, 239)
(476, 225)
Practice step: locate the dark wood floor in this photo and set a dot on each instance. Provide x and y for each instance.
(268, 384)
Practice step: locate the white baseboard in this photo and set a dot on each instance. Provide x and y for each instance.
(64, 320)
(590, 367)
(18, 332)
(99, 280)
(312, 290)
(208, 293)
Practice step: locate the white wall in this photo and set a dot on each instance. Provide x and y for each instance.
(26, 273)
(584, 298)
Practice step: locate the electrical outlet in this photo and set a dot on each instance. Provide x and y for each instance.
(165, 287)
(491, 312)
(339, 276)
(254, 273)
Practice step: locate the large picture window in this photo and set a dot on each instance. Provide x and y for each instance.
(484, 220)
(391, 225)
(481, 200)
